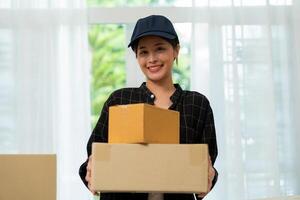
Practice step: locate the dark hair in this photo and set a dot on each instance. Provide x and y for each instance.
(173, 42)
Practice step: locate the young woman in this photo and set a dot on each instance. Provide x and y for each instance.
(156, 46)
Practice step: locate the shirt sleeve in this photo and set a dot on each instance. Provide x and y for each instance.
(209, 137)
(209, 134)
(99, 134)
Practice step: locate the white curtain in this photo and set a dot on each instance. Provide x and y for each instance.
(44, 85)
(245, 57)
(246, 60)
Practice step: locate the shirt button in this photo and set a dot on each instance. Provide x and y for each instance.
(152, 96)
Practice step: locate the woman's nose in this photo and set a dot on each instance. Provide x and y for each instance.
(152, 57)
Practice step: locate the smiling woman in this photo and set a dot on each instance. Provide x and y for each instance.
(156, 45)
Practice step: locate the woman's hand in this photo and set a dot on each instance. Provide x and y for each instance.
(211, 175)
(88, 175)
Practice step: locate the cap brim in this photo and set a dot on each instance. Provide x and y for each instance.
(154, 33)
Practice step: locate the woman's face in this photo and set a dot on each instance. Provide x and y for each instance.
(155, 57)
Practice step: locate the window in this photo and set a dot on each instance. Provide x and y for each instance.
(236, 53)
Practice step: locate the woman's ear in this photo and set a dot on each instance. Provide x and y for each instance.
(176, 51)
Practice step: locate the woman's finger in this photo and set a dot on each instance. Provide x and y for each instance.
(89, 165)
(88, 176)
(92, 191)
(211, 173)
(201, 195)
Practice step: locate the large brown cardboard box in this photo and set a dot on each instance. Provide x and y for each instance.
(172, 168)
(31, 177)
(143, 123)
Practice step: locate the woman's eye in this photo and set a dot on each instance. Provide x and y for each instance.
(143, 52)
(160, 49)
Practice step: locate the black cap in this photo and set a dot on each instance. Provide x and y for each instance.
(157, 25)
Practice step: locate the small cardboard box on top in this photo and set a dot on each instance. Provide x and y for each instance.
(142, 123)
(167, 168)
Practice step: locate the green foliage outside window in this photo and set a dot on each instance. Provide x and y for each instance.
(107, 44)
(181, 72)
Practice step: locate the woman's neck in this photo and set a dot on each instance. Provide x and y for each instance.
(162, 91)
(160, 87)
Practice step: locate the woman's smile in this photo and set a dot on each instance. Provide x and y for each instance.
(154, 68)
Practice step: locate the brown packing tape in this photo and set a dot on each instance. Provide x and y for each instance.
(105, 156)
(201, 152)
(198, 157)
(105, 152)
(195, 153)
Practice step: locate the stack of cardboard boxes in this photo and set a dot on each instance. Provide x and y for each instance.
(144, 154)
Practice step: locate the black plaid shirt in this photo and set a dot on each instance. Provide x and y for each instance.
(196, 126)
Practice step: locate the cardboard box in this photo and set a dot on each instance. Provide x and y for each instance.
(168, 168)
(143, 123)
(27, 177)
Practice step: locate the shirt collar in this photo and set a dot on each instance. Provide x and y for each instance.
(144, 88)
(174, 97)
